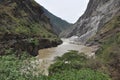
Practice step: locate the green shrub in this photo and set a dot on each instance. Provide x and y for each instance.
(34, 41)
(73, 69)
(10, 69)
(75, 66)
(83, 74)
(70, 60)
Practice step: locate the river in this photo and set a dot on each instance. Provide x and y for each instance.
(46, 56)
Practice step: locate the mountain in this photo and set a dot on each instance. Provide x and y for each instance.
(100, 26)
(97, 14)
(59, 24)
(24, 27)
(108, 38)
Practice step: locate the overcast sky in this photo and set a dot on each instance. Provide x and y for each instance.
(69, 10)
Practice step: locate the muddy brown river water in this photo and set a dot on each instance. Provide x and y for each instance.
(46, 56)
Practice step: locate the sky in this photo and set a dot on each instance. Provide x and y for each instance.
(69, 10)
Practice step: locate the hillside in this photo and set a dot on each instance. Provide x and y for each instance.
(59, 25)
(100, 25)
(96, 15)
(24, 27)
(109, 53)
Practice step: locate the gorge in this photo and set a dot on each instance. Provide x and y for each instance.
(86, 50)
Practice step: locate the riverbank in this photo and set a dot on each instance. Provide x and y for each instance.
(46, 56)
(18, 43)
(51, 65)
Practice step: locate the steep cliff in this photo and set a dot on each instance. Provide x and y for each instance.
(108, 38)
(100, 25)
(59, 24)
(97, 14)
(24, 27)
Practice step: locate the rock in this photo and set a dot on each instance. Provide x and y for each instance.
(98, 13)
(24, 20)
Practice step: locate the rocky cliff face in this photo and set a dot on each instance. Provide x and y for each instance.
(108, 39)
(97, 14)
(24, 27)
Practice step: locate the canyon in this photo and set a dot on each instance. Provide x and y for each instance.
(27, 29)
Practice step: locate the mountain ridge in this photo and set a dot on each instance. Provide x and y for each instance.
(96, 15)
(59, 24)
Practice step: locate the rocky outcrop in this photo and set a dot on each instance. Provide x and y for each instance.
(97, 14)
(24, 28)
(20, 43)
(108, 38)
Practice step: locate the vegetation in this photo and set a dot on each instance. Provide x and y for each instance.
(74, 66)
(17, 20)
(82, 74)
(70, 60)
(24, 23)
(59, 25)
(11, 66)
(109, 53)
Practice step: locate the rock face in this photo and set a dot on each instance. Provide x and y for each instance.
(59, 25)
(24, 28)
(97, 14)
(108, 38)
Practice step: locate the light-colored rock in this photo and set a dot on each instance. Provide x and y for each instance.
(97, 14)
